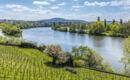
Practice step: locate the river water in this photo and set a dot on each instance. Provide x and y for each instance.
(110, 48)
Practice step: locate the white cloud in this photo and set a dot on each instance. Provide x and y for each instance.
(75, 0)
(62, 4)
(77, 6)
(116, 3)
(55, 7)
(110, 3)
(120, 3)
(20, 8)
(40, 11)
(0, 6)
(41, 3)
(126, 7)
(41, 7)
(52, 0)
(17, 7)
(96, 3)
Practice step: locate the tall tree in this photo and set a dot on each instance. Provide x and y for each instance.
(55, 52)
(121, 21)
(113, 22)
(98, 19)
(105, 23)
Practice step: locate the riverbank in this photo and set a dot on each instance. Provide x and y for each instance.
(86, 31)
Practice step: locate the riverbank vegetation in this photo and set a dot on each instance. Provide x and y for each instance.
(23, 63)
(14, 29)
(126, 56)
(10, 30)
(26, 25)
(116, 29)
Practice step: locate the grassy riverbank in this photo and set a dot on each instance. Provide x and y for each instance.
(99, 28)
(22, 63)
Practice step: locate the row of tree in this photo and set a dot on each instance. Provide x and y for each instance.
(79, 57)
(10, 29)
(25, 25)
(119, 29)
(126, 56)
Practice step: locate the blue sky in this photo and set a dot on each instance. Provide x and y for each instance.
(70, 9)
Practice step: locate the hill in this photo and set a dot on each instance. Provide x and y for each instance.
(50, 20)
(62, 20)
(30, 64)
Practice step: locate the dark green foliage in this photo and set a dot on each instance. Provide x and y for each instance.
(105, 23)
(55, 26)
(98, 19)
(26, 25)
(97, 28)
(113, 22)
(42, 48)
(121, 21)
(72, 28)
(28, 45)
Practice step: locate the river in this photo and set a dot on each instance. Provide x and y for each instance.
(110, 48)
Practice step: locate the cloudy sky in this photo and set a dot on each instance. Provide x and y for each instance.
(70, 9)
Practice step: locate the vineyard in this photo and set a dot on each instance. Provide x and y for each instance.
(30, 64)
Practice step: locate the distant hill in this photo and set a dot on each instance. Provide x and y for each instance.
(62, 20)
(51, 20)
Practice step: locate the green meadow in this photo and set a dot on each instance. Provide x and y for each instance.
(30, 64)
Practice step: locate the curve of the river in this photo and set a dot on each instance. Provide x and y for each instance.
(110, 48)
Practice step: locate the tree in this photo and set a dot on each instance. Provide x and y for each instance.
(84, 56)
(78, 52)
(97, 28)
(105, 23)
(92, 59)
(113, 22)
(55, 52)
(98, 19)
(9, 29)
(126, 56)
(121, 21)
(115, 28)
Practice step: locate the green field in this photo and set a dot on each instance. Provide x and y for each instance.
(30, 64)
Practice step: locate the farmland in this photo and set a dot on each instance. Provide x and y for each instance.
(30, 64)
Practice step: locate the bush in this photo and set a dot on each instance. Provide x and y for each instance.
(28, 45)
(63, 29)
(41, 47)
(56, 53)
(11, 30)
(78, 63)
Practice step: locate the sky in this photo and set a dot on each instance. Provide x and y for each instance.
(87, 10)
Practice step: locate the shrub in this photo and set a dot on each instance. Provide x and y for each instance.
(55, 52)
(41, 47)
(28, 45)
(78, 63)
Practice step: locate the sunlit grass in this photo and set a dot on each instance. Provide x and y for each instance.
(30, 64)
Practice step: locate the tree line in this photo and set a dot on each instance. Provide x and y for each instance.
(14, 29)
(79, 57)
(11, 30)
(117, 29)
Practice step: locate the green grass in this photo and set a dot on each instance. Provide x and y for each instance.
(30, 64)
